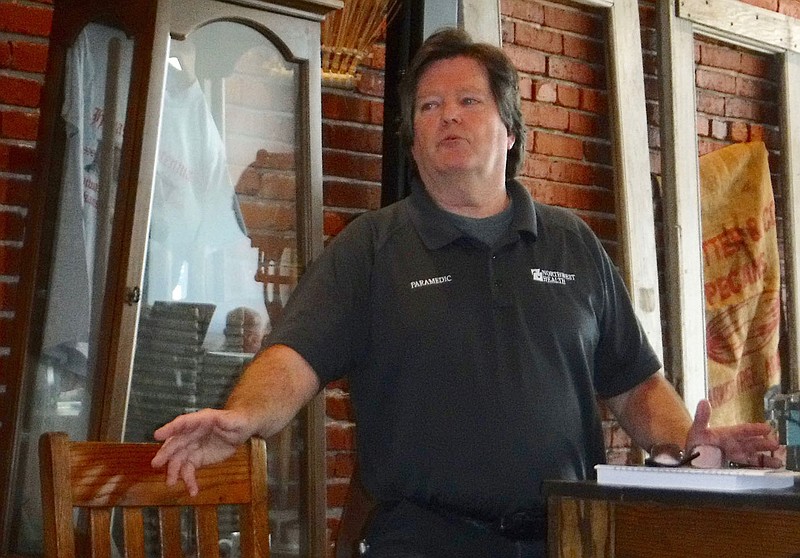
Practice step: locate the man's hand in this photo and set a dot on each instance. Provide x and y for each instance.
(749, 444)
(197, 439)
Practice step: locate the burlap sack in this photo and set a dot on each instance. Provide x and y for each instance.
(742, 280)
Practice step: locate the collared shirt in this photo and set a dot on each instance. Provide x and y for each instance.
(472, 369)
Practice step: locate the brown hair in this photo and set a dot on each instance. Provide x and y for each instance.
(503, 81)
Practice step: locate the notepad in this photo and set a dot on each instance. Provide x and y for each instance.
(688, 478)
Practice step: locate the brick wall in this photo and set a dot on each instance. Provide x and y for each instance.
(24, 29)
(560, 54)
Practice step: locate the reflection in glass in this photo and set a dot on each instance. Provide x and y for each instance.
(58, 396)
(222, 246)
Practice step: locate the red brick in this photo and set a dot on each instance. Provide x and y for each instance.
(10, 260)
(340, 436)
(581, 21)
(333, 222)
(336, 493)
(539, 39)
(653, 137)
(377, 56)
(766, 4)
(576, 72)
(703, 125)
(757, 65)
(507, 31)
(710, 103)
(582, 48)
(352, 109)
(27, 20)
(546, 91)
(790, 8)
(337, 193)
(340, 464)
(755, 88)
(715, 81)
(370, 82)
(597, 152)
(8, 299)
(23, 56)
(337, 406)
(526, 60)
(5, 333)
(568, 96)
(757, 132)
(338, 135)
(653, 114)
(12, 226)
(583, 124)
(352, 165)
(557, 145)
(737, 107)
(19, 125)
(738, 131)
(545, 116)
(605, 227)
(721, 57)
(21, 92)
(15, 192)
(594, 100)
(522, 9)
(526, 88)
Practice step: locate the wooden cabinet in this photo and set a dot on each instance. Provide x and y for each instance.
(591, 520)
(178, 199)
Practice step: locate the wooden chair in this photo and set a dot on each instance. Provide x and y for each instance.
(100, 476)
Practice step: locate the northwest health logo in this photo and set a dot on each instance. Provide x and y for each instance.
(555, 277)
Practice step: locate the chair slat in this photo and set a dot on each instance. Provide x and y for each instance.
(133, 532)
(100, 532)
(170, 532)
(207, 532)
(99, 476)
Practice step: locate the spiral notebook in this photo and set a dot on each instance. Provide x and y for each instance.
(688, 478)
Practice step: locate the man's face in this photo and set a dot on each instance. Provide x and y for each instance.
(457, 127)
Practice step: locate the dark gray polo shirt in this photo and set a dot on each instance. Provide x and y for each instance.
(473, 370)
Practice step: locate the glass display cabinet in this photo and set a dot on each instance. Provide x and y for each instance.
(179, 199)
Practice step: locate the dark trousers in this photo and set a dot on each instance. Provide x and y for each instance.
(405, 530)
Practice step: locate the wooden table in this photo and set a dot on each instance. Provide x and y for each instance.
(587, 520)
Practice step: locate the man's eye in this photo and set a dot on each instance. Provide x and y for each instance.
(427, 105)
(470, 101)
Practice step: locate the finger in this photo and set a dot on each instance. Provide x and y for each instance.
(174, 466)
(702, 414)
(771, 462)
(188, 476)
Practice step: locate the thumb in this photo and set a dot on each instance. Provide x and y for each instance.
(702, 414)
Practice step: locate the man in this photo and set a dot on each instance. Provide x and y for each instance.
(476, 326)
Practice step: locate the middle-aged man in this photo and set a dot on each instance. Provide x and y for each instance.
(476, 326)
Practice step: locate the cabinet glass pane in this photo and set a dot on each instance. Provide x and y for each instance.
(59, 384)
(222, 247)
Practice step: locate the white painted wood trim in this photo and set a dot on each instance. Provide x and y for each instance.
(482, 20)
(790, 127)
(685, 297)
(632, 167)
(739, 23)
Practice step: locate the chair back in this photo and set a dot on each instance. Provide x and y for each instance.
(99, 477)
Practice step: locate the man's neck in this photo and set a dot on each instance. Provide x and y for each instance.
(468, 197)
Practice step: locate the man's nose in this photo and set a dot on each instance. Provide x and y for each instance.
(451, 112)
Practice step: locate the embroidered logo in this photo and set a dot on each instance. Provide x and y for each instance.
(431, 281)
(555, 277)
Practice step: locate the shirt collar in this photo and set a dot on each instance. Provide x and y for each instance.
(436, 230)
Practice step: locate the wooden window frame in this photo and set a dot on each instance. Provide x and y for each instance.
(758, 29)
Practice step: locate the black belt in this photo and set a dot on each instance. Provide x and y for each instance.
(521, 525)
